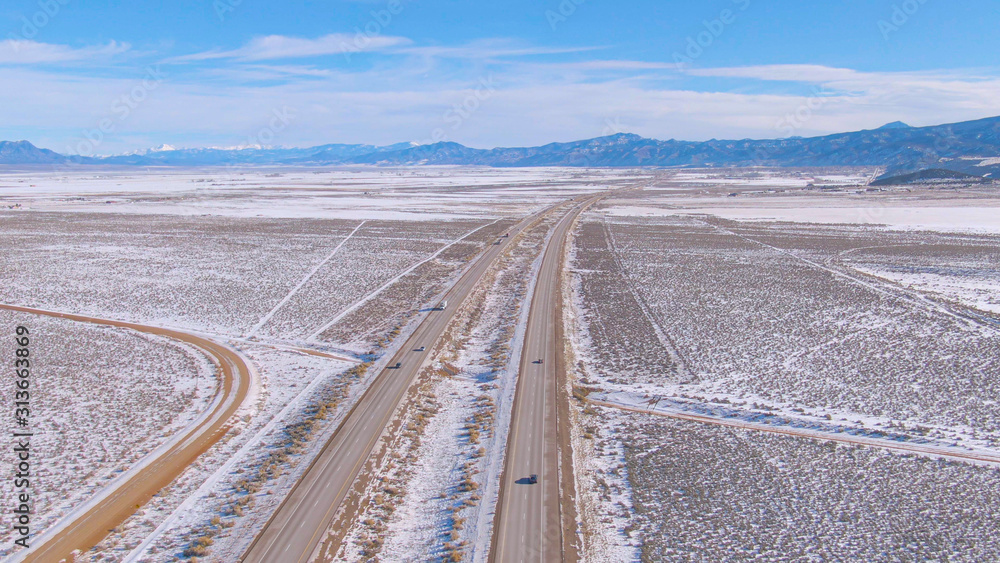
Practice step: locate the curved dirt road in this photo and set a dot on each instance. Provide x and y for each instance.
(87, 528)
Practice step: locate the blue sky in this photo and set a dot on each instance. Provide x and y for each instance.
(109, 76)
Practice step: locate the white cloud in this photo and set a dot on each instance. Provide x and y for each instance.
(25, 52)
(618, 65)
(791, 73)
(273, 47)
(945, 83)
(917, 94)
(490, 49)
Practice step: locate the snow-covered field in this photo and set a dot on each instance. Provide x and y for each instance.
(101, 399)
(952, 218)
(266, 261)
(703, 493)
(752, 311)
(958, 268)
(212, 274)
(770, 178)
(842, 313)
(408, 194)
(128, 245)
(802, 296)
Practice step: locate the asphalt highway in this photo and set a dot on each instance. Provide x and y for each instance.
(528, 522)
(296, 529)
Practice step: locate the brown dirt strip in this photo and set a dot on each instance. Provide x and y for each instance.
(88, 529)
(319, 354)
(816, 435)
(567, 487)
(571, 544)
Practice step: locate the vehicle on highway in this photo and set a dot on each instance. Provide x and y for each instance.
(533, 479)
(540, 361)
(442, 305)
(397, 366)
(421, 349)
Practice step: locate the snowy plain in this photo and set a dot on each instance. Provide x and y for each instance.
(266, 260)
(736, 259)
(260, 260)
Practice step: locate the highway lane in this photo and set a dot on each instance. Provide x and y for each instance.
(91, 523)
(297, 527)
(528, 521)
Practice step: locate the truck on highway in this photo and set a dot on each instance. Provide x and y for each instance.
(442, 305)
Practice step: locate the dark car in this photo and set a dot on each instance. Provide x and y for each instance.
(421, 349)
(533, 479)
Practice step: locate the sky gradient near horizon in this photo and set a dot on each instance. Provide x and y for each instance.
(108, 76)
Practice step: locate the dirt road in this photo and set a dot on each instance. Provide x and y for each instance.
(87, 527)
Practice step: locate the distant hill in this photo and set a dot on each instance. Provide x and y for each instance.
(933, 175)
(894, 125)
(23, 152)
(971, 147)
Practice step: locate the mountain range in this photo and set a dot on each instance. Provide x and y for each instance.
(971, 147)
